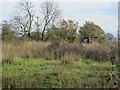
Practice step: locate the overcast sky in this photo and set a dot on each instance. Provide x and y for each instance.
(104, 14)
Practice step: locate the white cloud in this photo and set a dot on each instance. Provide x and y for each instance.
(92, 12)
(107, 22)
(85, 5)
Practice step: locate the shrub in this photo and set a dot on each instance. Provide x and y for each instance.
(62, 50)
(100, 52)
(97, 52)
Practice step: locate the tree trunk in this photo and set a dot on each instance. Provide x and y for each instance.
(42, 37)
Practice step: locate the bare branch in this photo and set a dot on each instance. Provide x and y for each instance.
(50, 12)
(26, 17)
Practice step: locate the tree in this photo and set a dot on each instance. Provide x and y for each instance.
(65, 31)
(50, 12)
(24, 18)
(37, 34)
(57, 34)
(7, 32)
(89, 29)
(71, 28)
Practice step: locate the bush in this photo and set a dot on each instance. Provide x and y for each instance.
(62, 50)
(100, 52)
(65, 51)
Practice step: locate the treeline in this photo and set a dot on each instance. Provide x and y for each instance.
(27, 24)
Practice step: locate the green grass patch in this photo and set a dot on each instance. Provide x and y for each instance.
(33, 73)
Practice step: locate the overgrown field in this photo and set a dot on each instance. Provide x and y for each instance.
(34, 64)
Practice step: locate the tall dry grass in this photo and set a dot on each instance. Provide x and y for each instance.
(66, 52)
(72, 52)
(63, 51)
(101, 52)
(22, 49)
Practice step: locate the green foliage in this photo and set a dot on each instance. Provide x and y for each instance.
(71, 28)
(65, 31)
(7, 32)
(102, 39)
(89, 29)
(35, 36)
(55, 33)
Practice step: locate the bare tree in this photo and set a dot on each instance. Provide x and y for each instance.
(25, 17)
(21, 23)
(50, 12)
